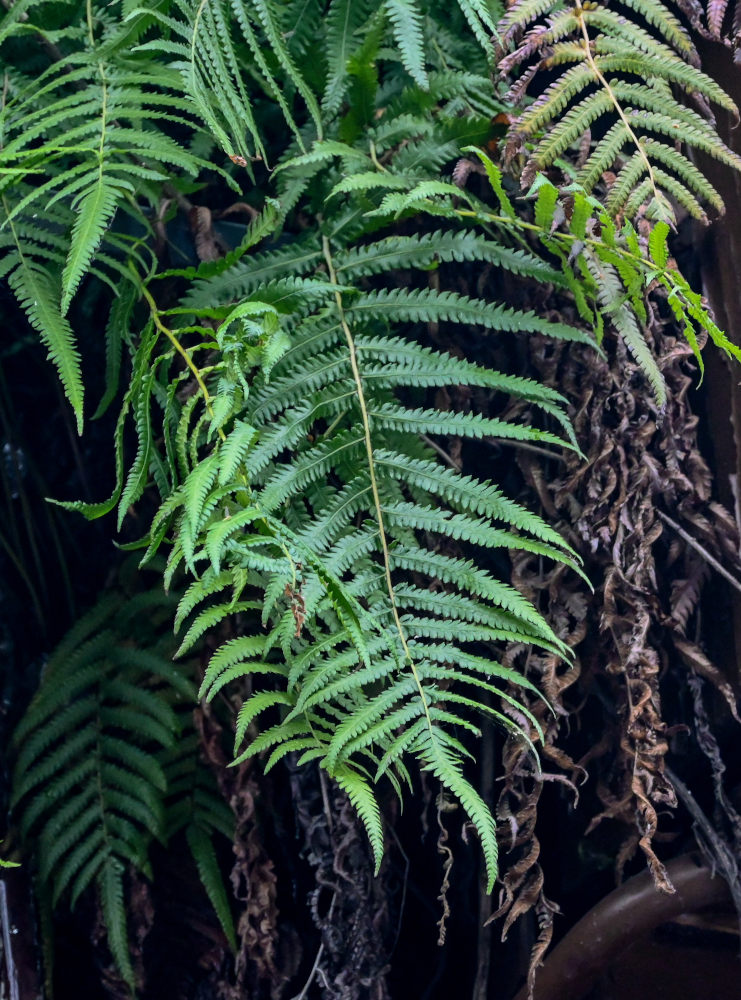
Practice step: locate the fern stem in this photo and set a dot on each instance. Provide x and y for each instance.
(182, 352)
(374, 158)
(194, 40)
(570, 238)
(89, 16)
(579, 11)
(373, 481)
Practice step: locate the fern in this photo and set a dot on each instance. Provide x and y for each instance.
(103, 786)
(308, 485)
(94, 120)
(620, 66)
(364, 652)
(39, 293)
(609, 275)
(107, 762)
(285, 410)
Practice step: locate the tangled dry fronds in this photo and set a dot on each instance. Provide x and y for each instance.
(643, 517)
(349, 906)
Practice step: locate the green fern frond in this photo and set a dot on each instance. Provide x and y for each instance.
(430, 249)
(406, 18)
(39, 294)
(615, 63)
(110, 738)
(436, 753)
(361, 796)
(110, 883)
(103, 800)
(202, 849)
(94, 211)
(429, 306)
(350, 691)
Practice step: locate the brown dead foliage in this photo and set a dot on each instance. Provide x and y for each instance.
(517, 808)
(640, 464)
(253, 877)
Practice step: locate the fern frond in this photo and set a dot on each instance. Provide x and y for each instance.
(39, 294)
(622, 64)
(429, 306)
(110, 882)
(361, 796)
(94, 211)
(396, 252)
(104, 797)
(202, 849)
(436, 753)
(406, 18)
(326, 412)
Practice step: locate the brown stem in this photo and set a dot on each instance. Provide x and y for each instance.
(718, 567)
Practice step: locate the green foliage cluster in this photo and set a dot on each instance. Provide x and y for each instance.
(287, 400)
(107, 761)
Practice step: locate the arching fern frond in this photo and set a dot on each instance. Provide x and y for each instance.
(366, 614)
(617, 71)
(94, 124)
(38, 290)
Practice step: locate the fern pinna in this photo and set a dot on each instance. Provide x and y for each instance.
(619, 69)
